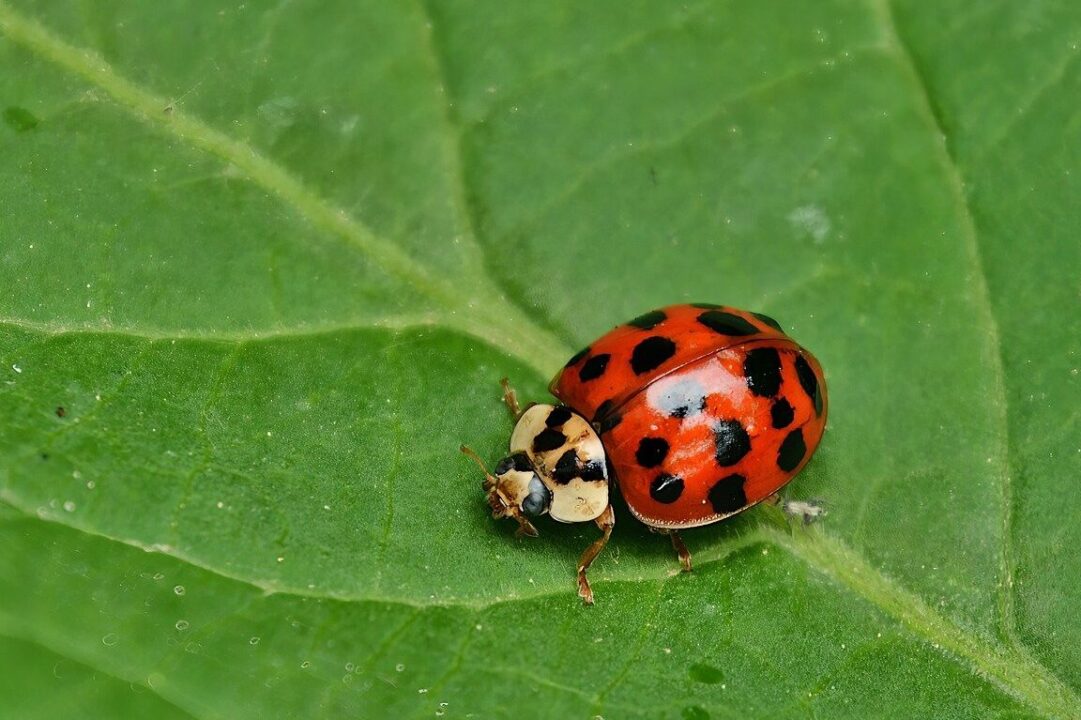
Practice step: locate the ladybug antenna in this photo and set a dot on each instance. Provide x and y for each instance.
(476, 458)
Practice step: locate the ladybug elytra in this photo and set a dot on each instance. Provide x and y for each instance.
(697, 411)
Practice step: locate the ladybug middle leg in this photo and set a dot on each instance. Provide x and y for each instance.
(681, 551)
(606, 521)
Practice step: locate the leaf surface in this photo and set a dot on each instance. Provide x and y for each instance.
(261, 267)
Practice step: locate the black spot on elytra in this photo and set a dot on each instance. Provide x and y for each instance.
(809, 382)
(732, 442)
(651, 451)
(769, 321)
(706, 306)
(594, 367)
(558, 416)
(727, 495)
(566, 468)
(762, 368)
(792, 451)
(577, 356)
(19, 119)
(604, 420)
(726, 323)
(651, 353)
(609, 422)
(666, 488)
(648, 321)
(781, 413)
(548, 439)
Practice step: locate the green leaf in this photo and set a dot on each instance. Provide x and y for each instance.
(262, 266)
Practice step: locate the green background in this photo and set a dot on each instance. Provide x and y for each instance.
(262, 264)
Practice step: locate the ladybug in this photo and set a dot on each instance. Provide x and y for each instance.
(697, 411)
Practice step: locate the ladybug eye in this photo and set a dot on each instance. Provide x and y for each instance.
(538, 499)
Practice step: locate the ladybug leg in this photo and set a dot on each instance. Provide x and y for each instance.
(510, 398)
(605, 522)
(774, 499)
(681, 551)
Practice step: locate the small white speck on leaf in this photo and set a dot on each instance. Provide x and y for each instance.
(810, 220)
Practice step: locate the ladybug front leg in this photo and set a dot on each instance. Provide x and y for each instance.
(510, 398)
(605, 522)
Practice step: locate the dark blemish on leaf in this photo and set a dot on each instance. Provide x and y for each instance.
(708, 674)
(19, 119)
(653, 174)
(694, 712)
(60, 411)
(44, 456)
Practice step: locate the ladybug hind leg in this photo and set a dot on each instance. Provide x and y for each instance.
(606, 521)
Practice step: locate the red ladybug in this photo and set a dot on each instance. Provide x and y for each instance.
(700, 411)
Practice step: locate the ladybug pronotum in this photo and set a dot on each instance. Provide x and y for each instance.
(697, 411)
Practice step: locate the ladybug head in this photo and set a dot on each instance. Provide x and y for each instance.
(515, 490)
